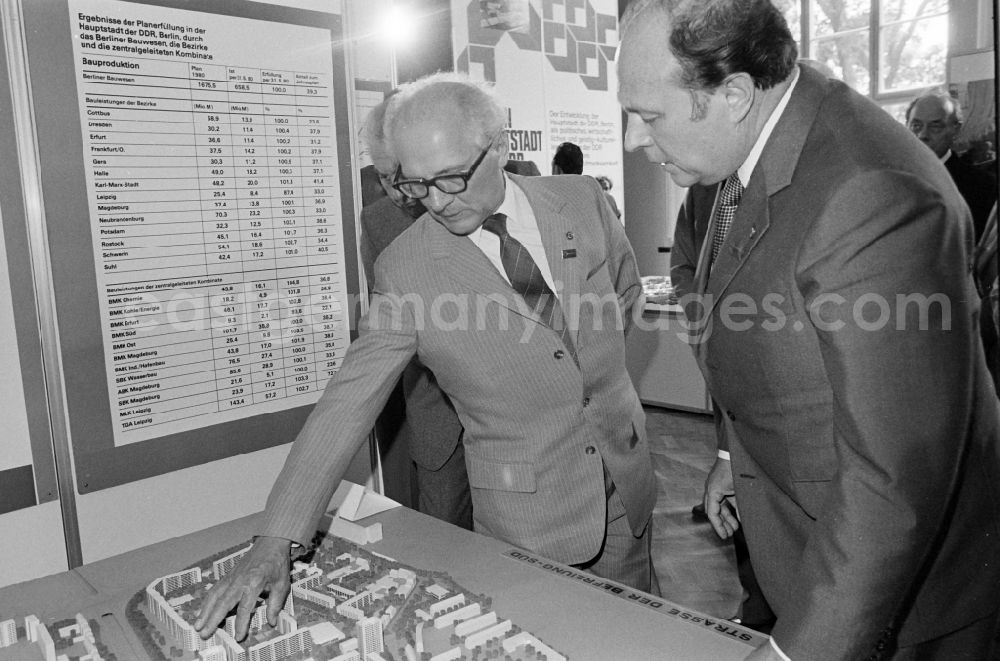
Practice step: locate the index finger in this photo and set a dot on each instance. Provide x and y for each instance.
(218, 602)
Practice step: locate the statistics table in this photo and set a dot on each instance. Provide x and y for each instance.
(214, 203)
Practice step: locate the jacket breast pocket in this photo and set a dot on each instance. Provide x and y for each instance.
(501, 476)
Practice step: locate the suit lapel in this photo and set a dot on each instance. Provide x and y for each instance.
(749, 225)
(704, 255)
(772, 174)
(468, 268)
(556, 229)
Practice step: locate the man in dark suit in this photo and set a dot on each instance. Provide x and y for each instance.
(935, 117)
(435, 439)
(988, 284)
(515, 292)
(693, 221)
(837, 335)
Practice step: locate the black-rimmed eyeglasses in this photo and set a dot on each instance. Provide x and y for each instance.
(453, 183)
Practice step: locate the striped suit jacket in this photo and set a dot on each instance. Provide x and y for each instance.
(436, 429)
(539, 428)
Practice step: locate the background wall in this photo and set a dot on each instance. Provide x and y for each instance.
(652, 200)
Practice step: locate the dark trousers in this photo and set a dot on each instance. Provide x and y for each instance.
(444, 493)
(624, 557)
(755, 612)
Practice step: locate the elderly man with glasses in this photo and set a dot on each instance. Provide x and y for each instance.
(432, 432)
(516, 292)
(935, 117)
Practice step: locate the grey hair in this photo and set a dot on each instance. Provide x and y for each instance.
(713, 39)
(956, 115)
(474, 101)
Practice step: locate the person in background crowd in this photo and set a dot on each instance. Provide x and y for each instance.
(435, 442)
(989, 290)
(516, 292)
(606, 185)
(568, 159)
(837, 334)
(935, 117)
(524, 168)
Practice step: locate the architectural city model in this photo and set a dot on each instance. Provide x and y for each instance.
(346, 604)
(77, 639)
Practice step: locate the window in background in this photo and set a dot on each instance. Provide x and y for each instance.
(885, 49)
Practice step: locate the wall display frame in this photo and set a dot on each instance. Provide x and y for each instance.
(27, 468)
(197, 171)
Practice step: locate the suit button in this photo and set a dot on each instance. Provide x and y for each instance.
(559, 354)
(586, 402)
(731, 415)
(590, 449)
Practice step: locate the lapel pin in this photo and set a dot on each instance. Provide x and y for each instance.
(569, 253)
(569, 235)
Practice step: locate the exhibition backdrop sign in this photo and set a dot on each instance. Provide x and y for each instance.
(553, 65)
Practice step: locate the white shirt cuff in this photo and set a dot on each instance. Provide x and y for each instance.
(724, 454)
(778, 650)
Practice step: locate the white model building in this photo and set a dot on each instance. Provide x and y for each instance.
(213, 653)
(223, 566)
(450, 655)
(369, 633)
(325, 632)
(352, 655)
(8, 633)
(281, 647)
(480, 637)
(525, 638)
(475, 624)
(38, 634)
(445, 604)
(464, 613)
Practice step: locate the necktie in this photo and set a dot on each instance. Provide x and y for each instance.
(725, 211)
(527, 280)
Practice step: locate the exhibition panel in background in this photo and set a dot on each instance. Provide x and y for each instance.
(197, 181)
(27, 469)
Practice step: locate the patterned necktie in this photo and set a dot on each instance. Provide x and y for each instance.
(527, 280)
(725, 211)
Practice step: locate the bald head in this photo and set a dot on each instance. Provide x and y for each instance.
(446, 98)
(935, 118)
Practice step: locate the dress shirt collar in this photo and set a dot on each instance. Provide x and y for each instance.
(750, 163)
(513, 206)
